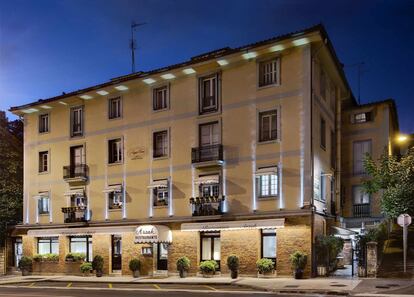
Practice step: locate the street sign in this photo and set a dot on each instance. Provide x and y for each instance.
(404, 220)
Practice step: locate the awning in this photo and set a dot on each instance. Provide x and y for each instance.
(266, 171)
(114, 188)
(234, 225)
(162, 183)
(74, 192)
(207, 179)
(41, 195)
(153, 234)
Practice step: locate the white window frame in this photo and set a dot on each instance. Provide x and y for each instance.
(165, 191)
(355, 160)
(166, 150)
(216, 88)
(43, 211)
(44, 128)
(115, 114)
(274, 73)
(119, 142)
(42, 160)
(165, 91)
(76, 110)
(272, 185)
(361, 192)
(278, 125)
(115, 198)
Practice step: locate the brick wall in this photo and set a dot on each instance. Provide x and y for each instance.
(132, 250)
(2, 261)
(184, 244)
(101, 245)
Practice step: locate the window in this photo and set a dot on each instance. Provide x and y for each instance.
(160, 195)
(361, 148)
(43, 205)
(359, 196)
(323, 133)
(43, 161)
(362, 117)
(76, 121)
(208, 93)
(268, 125)
(267, 185)
(78, 200)
(160, 144)
(333, 149)
(81, 244)
(160, 98)
(323, 186)
(47, 245)
(115, 108)
(269, 72)
(43, 123)
(115, 199)
(210, 246)
(209, 134)
(115, 151)
(269, 244)
(210, 190)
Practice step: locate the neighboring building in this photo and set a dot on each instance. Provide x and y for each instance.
(367, 128)
(227, 153)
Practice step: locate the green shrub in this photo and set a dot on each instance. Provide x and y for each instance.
(298, 260)
(208, 266)
(37, 258)
(233, 262)
(183, 264)
(25, 262)
(265, 265)
(98, 263)
(75, 257)
(51, 257)
(134, 264)
(86, 267)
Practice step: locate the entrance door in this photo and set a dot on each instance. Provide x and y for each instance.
(116, 252)
(209, 134)
(162, 256)
(17, 251)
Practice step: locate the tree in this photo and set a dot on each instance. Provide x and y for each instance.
(393, 178)
(11, 174)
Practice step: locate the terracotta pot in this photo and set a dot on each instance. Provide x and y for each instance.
(135, 273)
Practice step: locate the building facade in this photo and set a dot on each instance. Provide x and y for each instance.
(367, 129)
(236, 151)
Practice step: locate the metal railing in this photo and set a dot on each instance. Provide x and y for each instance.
(207, 206)
(74, 214)
(362, 210)
(207, 153)
(75, 171)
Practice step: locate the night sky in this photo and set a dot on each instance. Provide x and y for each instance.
(47, 47)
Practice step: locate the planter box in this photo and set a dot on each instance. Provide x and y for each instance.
(45, 267)
(73, 268)
(267, 274)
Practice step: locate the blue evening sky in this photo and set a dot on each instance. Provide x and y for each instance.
(47, 47)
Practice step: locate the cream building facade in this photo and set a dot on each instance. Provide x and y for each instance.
(236, 151)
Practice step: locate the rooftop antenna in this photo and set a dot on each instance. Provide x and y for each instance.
(359, 65)
(133, 44)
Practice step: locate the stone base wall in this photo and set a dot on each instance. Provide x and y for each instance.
(102, 245)
(2, 261)
(132, 250)
(184, 244)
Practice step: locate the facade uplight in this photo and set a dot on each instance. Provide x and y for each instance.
(168, 76)
(249, 55)
(188, 71)
(149, 81)
(222, 62)
(85, 97)
(121, 88)
(102, 92)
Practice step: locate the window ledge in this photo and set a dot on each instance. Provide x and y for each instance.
(46, 214)
(160, 158)
(277, 141)
(115, 209)
(115, 163)
(160, 110)
(43, 172)
(267, 198)
(160, 206)
(268, 86)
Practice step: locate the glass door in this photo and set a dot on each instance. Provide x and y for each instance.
(162, 256)
(116, 252)
(17, 251)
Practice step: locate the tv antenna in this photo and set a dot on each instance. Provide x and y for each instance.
(360, 71)
(133, 44)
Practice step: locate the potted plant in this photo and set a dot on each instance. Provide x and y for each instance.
(86, 268)
(265, 266)
(97, 265)
(233, 265)
(208, 268)
(25, 265)
(134, 266)
(298, 260)
(183, 265)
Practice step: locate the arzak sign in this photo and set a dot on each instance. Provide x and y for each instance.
(146, 233)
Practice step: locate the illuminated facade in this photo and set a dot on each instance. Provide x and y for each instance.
(235, 151)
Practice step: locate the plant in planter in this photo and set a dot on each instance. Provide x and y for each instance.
(97, 265)
(183, 265)
(51, 257)
(265, 266)
(233, 264)
(298, 260)
(75, 257)
(37, 258)
(134, 266)
(86, 268)
(208, 268)
(25, 265)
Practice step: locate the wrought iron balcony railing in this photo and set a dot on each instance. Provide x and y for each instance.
(74, 214)
(207, 153)
(207, 206)
(75, 172)
(362, 210)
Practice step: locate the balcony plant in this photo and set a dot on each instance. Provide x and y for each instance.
(233, 265)
(183, 265)
(298, 260)
(97, 265)
(134, 266)
(265, 266)
(86, 268)
(208, 268)
(25, 265)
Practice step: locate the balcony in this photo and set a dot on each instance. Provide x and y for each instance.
(74, 214)
(210, 155)
(207, 206)
(75, 173)
(362, 210)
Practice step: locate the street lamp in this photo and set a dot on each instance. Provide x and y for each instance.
(402, 138)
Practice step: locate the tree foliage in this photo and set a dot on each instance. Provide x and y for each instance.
(11, 174)
(393, 178)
